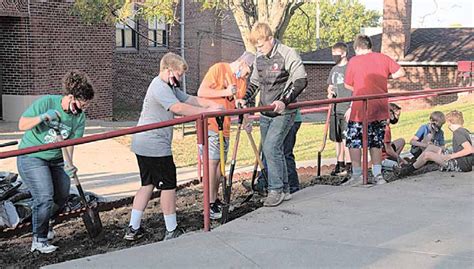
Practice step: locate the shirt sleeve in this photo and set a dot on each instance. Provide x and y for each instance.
(392, 65)
(254, 77)
(349, 76)
(37, 108)
(294, 65)
(165, 96)
(181, 95)
(422, 131)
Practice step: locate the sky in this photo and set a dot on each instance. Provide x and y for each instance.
(435, 13)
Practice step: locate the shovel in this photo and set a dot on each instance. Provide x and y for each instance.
(258, 163)
(226, 185)
(91, 217)
(227, 193)
(325, 135)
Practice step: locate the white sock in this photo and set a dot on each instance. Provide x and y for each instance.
(376, 169)
(356, 171)
(170, 222)
(136, 218)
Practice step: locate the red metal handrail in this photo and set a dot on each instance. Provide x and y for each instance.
(202, 123)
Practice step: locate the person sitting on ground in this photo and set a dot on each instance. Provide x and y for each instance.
(460, 159)
(45, 173)
(428, 134)
(221, 84)
(392, 149)
(163, 100)
(337, 122)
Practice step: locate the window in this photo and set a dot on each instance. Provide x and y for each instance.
(157, 33)
(125, 37)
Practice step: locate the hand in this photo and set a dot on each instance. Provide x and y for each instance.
(50, 115)
(347, 115)
(240, 102)
(247, 124)
(447, 157)
(401, 160)
(331, 94)
(279, 106)
(70, 170)
(231, 90)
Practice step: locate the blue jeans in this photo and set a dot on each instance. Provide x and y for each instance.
(288, 146)
(273, 132)
(49, 186)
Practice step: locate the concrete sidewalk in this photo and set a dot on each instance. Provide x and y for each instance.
(421, 222)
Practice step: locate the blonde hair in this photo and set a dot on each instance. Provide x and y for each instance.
(455, 117)
(173, 61)
(260, 31)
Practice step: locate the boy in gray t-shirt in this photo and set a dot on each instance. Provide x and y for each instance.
(163, 100)
(337, 121)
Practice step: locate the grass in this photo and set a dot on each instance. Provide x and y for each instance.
(309, 137)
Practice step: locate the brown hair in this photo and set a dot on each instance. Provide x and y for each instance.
(340, 46)
(362, 42)
(173, 61)
(77, 83)
(455, 117)
(260, 31)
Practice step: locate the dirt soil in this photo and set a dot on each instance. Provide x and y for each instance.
(73, 241)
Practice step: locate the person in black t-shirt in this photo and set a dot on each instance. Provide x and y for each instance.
(460, 159)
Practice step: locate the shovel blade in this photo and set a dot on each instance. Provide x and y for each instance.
(92, 222)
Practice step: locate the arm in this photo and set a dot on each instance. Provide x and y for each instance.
(186, 109)
(414, 142)
(467, 149)
(400, 73)
(298, 86)
(202, 102)
(26, 123)
(330, 91)
(206, 91)
(349, 87)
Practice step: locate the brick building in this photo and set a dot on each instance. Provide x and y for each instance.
(40, 40)
(428, 55)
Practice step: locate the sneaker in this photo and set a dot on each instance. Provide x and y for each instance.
(353, 180)
(132, 234)
(42, 246)
(287, 196)
(274, 198)
(51, 233)
(173, 234)
(215, 211)
(336, 170)
(379, 180)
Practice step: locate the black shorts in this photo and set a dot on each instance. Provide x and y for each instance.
(159, 171)
(337, 128)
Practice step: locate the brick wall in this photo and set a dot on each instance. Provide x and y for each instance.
(417, 78)
(38, 50)
(207, 41)
(14, 8)
(14, 57)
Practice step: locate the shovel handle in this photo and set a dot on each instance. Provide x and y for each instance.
(255, 150)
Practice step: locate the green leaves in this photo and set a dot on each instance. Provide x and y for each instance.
(340, 20)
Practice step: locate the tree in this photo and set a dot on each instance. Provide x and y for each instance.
(340, 20)
(246, 12)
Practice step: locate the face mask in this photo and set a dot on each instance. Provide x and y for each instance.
(435, 128)
(238, 73)
(73, 109)
(393, 117)
(173, 82)
(337, 58)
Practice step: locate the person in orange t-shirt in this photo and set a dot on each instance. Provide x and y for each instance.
(222, 83)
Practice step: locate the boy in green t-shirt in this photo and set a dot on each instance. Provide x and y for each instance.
(45, 173)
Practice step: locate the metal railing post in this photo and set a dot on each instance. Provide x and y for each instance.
(205, 178)
(365, 142)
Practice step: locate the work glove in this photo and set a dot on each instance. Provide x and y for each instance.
(70, 170)
(50, 115)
